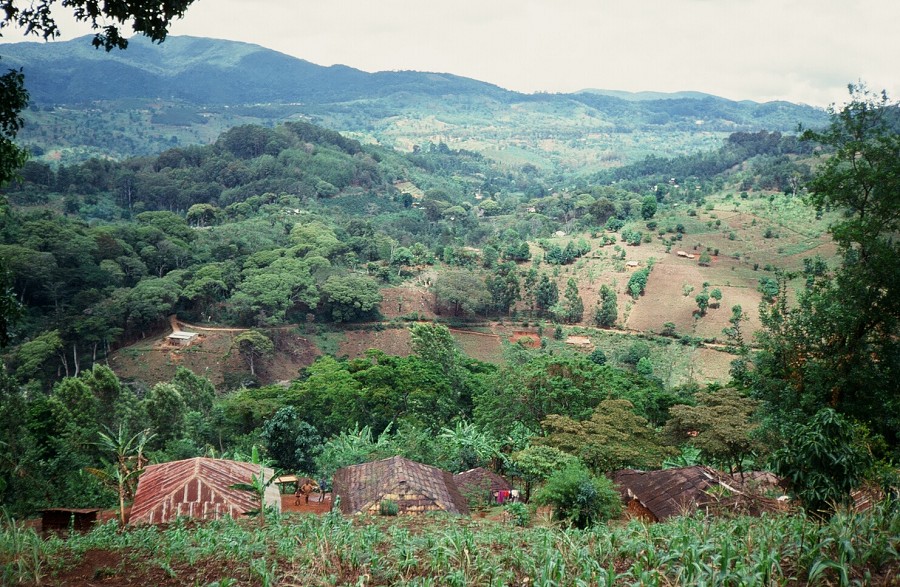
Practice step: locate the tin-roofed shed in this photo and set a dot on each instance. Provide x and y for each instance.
(198, 488)
(414, 487)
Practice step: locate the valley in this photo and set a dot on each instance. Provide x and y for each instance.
(221, 260)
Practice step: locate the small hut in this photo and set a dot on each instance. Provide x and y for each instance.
(198, 488)
(481, 482)
(657, 495)
(81, 519)
(181, 338)
(414, 487)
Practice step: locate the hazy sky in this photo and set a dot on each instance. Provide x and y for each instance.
(798, 50)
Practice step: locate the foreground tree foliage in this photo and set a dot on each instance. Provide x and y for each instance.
(824, 461)
(839, 346)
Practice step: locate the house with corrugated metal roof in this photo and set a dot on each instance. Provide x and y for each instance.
(200, 488)
(413, 487)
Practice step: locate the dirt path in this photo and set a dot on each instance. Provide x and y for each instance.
(175, 322)
(289, 504)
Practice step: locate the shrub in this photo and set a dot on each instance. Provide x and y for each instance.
(519, 514)
(597, 356)
(580, 498)
(637, 351)
(388, 508)
(644, 367)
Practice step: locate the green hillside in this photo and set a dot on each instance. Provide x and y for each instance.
(289, 294)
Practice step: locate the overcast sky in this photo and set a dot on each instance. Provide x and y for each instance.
(799, 50)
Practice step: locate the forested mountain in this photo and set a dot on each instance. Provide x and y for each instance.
(205, 71)
(188, 90)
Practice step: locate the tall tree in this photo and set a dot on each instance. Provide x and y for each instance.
(166, 409)
(546, 294)
(722, 425)
(839, 346)
(460, 291)
(503, 285)
(253, 346)
(607, 312)
(612, 438)
(292, 443)
(351, 297)
(573, 304)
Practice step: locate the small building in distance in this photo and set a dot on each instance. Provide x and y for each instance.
(480, 484)
(198, 488)
(414, 487)
(181, 338)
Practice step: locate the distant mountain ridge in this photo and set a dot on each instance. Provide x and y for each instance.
(189, 89)
(212, 71)
(647, 95)
(209, 71)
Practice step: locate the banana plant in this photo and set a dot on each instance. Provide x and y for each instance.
(129, 462)
(258, 484)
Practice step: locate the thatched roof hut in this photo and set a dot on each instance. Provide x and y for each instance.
(657, 495)
(414, 487)
(480, 480)
(198, 488)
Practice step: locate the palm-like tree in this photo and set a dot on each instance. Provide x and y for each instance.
(129, 461)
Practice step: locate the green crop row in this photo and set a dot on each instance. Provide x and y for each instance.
(436, 550)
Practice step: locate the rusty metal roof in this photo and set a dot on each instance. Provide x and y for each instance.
(480, 479)
(669, 492)
(197, 488)
(361, 486)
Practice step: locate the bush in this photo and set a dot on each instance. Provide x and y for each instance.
(598, 357)
(580, 498)
(637, 351)
(519, 514)
(388, 508)
(644, 367)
